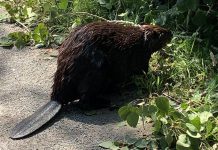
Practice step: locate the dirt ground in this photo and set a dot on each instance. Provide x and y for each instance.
(25, 85)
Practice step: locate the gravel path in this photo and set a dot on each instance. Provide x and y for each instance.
(25, 85)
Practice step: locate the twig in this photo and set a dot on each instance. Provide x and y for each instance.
(89, 14)
(173, 99)
(101, 18)
(21, 24)
(123, 22)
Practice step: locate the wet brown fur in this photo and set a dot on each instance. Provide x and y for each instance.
(100, 54)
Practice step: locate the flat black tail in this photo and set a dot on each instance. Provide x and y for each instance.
(36, 120)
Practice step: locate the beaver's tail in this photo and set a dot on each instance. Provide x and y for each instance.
(36, 120)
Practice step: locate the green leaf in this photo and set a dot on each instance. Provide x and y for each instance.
(30, 13)
(169, 138)
(204, 116)
(141, 143)
(148, 110)
(6, 41)
(20, 39)
(152, 109)
(215, 131)
(130, 141)
(183, 142)
(157, 125)
(40, 34)
(176, 115)
(163, 142)
(196, 122)
(193, 134)
(123, 112)
(163, 104)
(196, 97)
(109, 145)
(163, 120)
(200, 19)
(209, 127)
(20, 43)
(184, 106)
(63, 4)
(191, 127)
(132, 119)
(46, 7)
(192, 116)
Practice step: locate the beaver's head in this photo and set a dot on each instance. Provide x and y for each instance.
(156, 37)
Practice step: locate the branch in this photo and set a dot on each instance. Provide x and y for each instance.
(173, 99)
(21, 24)
(89, 14)
(101, 18)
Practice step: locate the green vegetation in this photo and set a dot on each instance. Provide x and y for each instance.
(182, 83)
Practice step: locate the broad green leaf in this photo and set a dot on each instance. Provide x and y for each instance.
(163, 120)
(40, 34)
(196, 97)
(20, 39)
(46, 7)
(123, 112)
(163, 104)
(6, 41)
(184, 106)
(109, 145)
(152, 109)
(215, 131)
(191, 127)
(141, 143)
(193, 134)
(63, 4)
(204, 116)
(134, 109)
(132, 119)
(30, 13)
(153, 145)
(196, 122)
(192, 116)
(131, 141)
(209, 127)
(3, 14)
(157, 126)
(176, 115)
(163, 142)
(169, 138)
(148, 110)
(183, 142)
(20, 43)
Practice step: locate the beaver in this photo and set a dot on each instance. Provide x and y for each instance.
(93, 59)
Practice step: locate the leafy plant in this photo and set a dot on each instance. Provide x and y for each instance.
(185, 71)
(183, 127)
